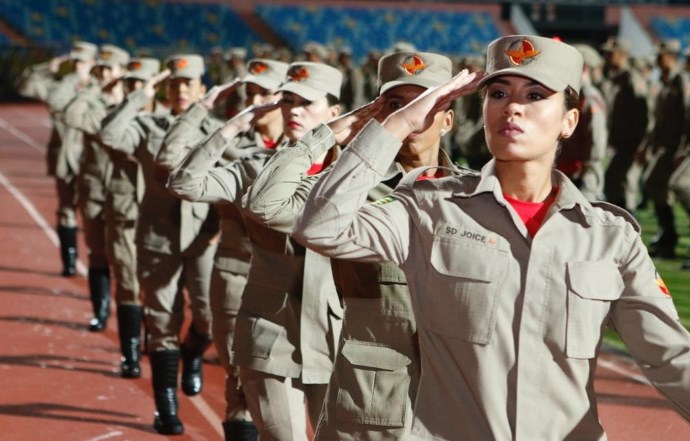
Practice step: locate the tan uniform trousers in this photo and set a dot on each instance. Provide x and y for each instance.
(94, 232)
(121, 211)
(67, 201)
(162, 277)
(277, 404)
(679, 183)
(226, 296)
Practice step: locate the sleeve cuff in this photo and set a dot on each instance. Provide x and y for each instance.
(376, 147)
(318, 141)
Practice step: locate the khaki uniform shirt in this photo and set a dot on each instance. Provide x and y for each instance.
(166, 224)
(85, 113)
(64, 159)
(509, 325)
(234, 249)
(312, 321)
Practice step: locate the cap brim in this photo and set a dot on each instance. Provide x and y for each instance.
(417, 82)
(305, 92)
(261, 82)
(548, 81)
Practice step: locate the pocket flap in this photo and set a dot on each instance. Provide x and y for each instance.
(377, 357)
(451, 257)
(595, 280)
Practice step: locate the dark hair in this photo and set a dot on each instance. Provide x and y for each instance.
(572, 99)
(332, 100)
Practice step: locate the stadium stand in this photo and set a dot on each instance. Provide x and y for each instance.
(155, 25)
(364, 29)
(671, 27)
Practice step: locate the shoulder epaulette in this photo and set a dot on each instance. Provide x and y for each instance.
(618, 211)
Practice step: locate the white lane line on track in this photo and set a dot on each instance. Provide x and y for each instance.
(36, 216)
(106, 436)
(21, 135)
(201, 405)
(623, 371)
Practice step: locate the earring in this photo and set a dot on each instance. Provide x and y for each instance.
(443, 132)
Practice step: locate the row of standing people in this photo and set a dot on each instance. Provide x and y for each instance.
(112, 153)
(273, 308)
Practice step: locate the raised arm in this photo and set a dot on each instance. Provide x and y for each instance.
(277, 196)
(335, 220)
(85, 114)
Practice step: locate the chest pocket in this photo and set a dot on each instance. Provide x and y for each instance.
(461, 294)
(592, 287)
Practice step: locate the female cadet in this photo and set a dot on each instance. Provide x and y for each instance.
(175, 240)
(231, 262)
(513, 273)
(374, 382)
(281, 359)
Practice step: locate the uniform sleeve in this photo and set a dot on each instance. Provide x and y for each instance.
(277, 196)
(335, 220)
(198, 178)
(119, 129)
(36, 81)
(182, 136)
(648, 323)
(62, 92)
(85, 113)
(593, 173)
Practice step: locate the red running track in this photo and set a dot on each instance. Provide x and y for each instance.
(60, 382)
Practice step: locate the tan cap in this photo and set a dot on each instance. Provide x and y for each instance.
(403, 46)
(416, 68)
(185, 66)
(142, 68)
(317, 49)
(110, 55)
(669, 46)
(236, 52)
(552, 63)
(83, 51)
(590, 56)
(616, 43)
(268, 74)
(312, 80)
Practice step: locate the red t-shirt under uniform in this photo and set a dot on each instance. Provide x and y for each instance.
(532, 213)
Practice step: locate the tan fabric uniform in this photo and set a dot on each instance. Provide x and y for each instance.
(173, 238)
(459, 234)
(124, 193)
(491, 301)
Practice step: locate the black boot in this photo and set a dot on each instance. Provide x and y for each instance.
(68, 250)
(164, 379)
(664, 243)
(129, 318)
(240, 431)
(192, 350)
(99, 291)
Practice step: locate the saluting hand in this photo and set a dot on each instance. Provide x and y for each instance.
(55, 62)
(244, 120)
(418, 114)
(150, 86)
(347, 126)
(220, 93)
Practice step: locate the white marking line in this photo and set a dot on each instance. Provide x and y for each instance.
(45, 121)
(624, 372)
(106, 436)
(36, 216)
(208, 413)
(21, 135)
(198, 402)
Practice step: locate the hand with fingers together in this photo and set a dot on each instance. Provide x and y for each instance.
(153, 82)
(418, 115)
(220, 93)
(347, 126)
(244, 120)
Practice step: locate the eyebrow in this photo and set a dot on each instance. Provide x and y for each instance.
(506, 82)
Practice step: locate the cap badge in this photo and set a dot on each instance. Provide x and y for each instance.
(413, 65)
(521, 52)
(257, 68)
(134, 65)
(298, 73)
(106, 55)
(181, 63)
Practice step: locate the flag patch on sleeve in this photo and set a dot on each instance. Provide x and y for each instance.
(384, 201)
(662, 286)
